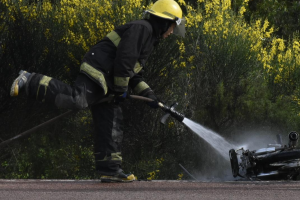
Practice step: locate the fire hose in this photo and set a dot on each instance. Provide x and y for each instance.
(170, 111)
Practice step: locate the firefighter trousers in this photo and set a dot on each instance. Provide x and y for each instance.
(107, 116)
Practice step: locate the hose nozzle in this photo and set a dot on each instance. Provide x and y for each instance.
(170, 111)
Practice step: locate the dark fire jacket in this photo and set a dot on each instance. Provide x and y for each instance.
(117, 61)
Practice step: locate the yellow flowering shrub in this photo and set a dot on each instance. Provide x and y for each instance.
(213, 25)
(282, 61)
(154, 174)
(84, 21)
(180, 176)
(214, 38)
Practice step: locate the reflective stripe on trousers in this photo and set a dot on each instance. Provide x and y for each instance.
(53, 91)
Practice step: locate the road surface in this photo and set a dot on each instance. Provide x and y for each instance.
(94, 189)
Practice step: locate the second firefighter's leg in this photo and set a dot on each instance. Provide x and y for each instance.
(108, 120)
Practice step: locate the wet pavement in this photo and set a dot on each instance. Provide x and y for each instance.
(94, 189)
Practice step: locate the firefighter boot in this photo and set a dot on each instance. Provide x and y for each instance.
(19, 83)
(120, 176)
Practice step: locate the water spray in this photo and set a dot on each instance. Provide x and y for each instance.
(215, 140)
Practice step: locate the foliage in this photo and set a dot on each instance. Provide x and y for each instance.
(282, 64)
(284, 15)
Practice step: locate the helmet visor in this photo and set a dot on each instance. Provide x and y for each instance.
(180, 28)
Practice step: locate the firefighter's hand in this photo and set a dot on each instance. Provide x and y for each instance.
(120, 97)
(154, 103)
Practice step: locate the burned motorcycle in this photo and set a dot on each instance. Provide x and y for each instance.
(276, 162)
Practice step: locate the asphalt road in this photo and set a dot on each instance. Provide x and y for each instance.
(94, 189)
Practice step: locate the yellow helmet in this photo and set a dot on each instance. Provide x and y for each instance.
(169, 9)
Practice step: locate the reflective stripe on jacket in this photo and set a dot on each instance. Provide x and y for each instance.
(117, 61)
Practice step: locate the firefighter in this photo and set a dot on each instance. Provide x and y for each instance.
(111, 66)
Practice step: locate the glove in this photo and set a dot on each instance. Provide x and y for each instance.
(120, 97)
(154, 103)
